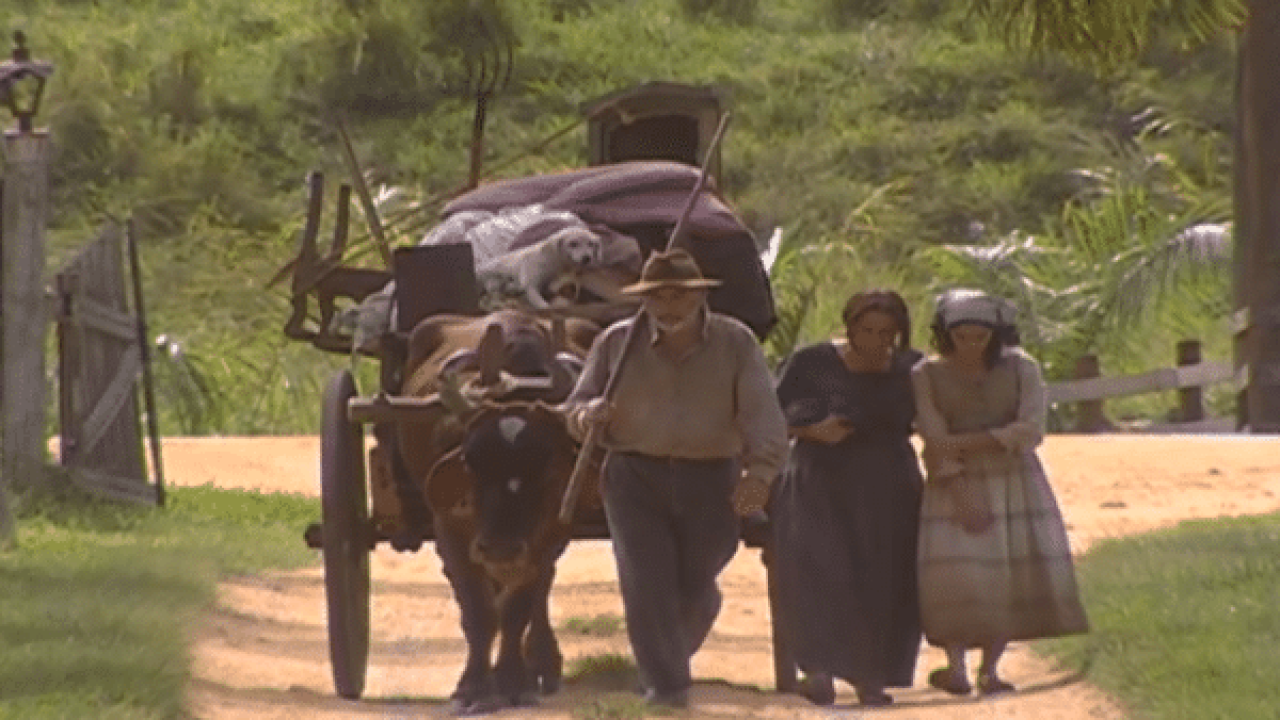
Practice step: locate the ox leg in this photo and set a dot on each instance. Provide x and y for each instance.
(475, 692)
(515, 683)
(541, 651)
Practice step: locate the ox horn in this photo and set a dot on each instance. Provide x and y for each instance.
(491, 353)
(447, 431)
(459, 362)
(452, 396)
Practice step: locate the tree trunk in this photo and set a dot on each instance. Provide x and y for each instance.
(1257, 222)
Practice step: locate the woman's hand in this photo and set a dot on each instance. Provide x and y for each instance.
(829, 430)
(971, 503)
(940, 465)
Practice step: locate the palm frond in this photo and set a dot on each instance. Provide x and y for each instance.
(1016, 267)
(1149, 272)
(1104, 34)
(794, 285)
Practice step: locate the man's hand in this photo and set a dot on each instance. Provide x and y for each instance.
(597, 411)
(750, 494)
(829, 430)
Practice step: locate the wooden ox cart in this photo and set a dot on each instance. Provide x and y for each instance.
(645, 145)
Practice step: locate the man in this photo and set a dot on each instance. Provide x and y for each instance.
(694, 433)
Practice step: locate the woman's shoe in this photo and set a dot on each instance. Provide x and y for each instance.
(676, 699)
(993, 685)
(874, 698)
(950, 682)
(818, 688)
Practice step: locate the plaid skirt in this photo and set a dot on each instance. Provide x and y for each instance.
(1013, 581)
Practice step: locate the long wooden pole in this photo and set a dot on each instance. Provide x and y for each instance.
(681, 229)
(362, 191)
(592, 439)
(144, 346)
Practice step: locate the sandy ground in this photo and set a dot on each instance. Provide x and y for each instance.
(262, 650)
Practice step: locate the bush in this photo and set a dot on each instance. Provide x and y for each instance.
(886, 135)
(845, 13)
(738, 12)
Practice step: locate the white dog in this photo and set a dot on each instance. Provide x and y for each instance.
(527, 271)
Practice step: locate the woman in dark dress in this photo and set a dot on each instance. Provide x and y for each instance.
(846, 508)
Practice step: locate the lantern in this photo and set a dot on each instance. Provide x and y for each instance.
(22, 83)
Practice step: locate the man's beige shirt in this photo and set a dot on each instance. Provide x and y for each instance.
(716, 401)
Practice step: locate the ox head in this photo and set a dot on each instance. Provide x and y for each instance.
(520, 345)
(505, 480)
(511, 346)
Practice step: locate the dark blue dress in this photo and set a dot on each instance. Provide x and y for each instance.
(845, 519)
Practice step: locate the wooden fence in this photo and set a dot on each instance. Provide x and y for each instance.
(1088, 392)
(102, 350)
(102, 360)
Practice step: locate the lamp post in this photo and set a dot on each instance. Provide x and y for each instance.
(24, 206)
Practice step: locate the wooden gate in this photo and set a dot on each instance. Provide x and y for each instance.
(102, 355)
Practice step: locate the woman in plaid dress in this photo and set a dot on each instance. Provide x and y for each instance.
(994, 561)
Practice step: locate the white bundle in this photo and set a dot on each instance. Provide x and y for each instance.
(492, 234)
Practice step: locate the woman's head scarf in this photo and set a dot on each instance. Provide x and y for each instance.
(967, 306)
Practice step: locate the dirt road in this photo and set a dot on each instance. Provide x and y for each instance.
(261, 653)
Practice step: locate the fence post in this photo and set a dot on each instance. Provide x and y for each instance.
(1089, 414)
(25, 213)
(8, 532)
(1190, 399)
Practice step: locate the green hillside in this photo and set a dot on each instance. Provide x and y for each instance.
(871, 131)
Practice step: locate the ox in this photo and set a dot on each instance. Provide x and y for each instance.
(493, 477)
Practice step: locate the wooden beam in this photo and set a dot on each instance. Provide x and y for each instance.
(1154, 381)
(104, 319)
(113, 400)
(1206, 426)
(112, 487)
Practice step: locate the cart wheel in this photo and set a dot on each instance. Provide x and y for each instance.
(345, 536)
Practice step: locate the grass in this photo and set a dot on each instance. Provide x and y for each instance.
(1184, 622)
(98, 598)
(603, 625)
(609, 672)
(613, 677)
(618, 707)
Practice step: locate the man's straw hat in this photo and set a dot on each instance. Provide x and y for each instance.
(676, 268)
